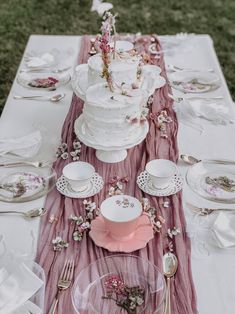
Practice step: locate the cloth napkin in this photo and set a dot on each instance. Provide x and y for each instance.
(40, 61)
(25, 146)
(17, 287)
(215, 112)
(27, 308)
(223, 230)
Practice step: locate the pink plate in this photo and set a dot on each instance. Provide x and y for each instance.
(137, 240)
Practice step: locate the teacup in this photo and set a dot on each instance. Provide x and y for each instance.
(120, 214)
(161, 171)
(78, 174)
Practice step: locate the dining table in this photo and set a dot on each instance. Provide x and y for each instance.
(212, 267)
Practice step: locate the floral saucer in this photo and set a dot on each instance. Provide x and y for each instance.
(144, 183)
(95, 186)
(102, 237)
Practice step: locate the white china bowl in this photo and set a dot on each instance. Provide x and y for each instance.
(78, 174)
(161, 172)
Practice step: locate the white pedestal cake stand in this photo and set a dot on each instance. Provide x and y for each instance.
(109, 152)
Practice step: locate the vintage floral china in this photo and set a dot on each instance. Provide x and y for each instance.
(213, 181)
(194, 82)
(137, 240)
(145, 184)
(95, 186)
(25, 183)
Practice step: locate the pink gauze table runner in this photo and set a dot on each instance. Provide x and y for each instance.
(183, 294)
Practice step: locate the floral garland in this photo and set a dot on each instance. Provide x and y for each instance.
(62, 151)
(108, 25)
(162, 120)
(126, 297)
(83, 224)
(117, 185)
(156, 220)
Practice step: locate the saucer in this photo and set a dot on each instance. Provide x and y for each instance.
(95, 186)
(144, 183)
(140, 237)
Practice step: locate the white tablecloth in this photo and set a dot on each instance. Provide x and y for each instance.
(214, 273)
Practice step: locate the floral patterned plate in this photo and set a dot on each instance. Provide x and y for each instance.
(194, 82)
(213, 181)
(25, 184)
(43, 81)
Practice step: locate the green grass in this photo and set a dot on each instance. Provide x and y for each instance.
(20, 18)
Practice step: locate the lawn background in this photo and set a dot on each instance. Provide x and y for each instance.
(20, 18)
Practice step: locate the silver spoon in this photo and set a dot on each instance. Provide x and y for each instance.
(170, 265)
(55, 98)
(32, 213)
(193, 160)
(189, 159)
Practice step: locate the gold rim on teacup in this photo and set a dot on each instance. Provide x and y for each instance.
(161, 172)
(78, 175)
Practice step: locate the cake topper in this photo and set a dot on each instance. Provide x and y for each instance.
(108, 26)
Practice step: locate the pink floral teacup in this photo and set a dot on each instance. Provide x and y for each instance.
(121, 213)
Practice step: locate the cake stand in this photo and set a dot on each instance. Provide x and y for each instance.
(109, 152)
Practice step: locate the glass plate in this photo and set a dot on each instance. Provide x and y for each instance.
(25, 183)
(24, 78)
(89, 286)
(196, 179)
(194, 82)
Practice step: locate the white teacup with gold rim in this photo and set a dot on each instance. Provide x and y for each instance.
(161, 172)
(78, 174)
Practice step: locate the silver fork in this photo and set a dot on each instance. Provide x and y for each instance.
(204, 211)
(36, 164)
(64, 282)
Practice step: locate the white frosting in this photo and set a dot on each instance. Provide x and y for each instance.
(123, 69)
(108, 115)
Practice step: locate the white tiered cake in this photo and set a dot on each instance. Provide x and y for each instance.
(111, 116)
(115, 94)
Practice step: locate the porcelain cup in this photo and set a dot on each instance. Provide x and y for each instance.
(78, 174)
(120, 214)
(161, 172)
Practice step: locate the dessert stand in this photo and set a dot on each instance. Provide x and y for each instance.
(109, 152)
